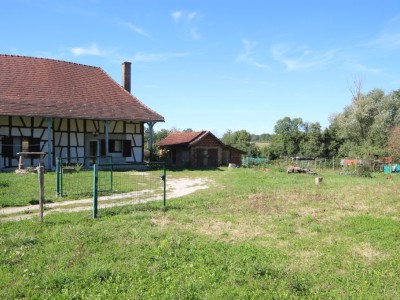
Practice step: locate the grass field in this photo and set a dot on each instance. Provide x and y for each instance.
(254, 234)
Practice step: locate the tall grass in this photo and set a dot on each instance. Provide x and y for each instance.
(254, 234)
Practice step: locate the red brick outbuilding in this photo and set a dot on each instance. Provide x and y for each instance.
(198, 149)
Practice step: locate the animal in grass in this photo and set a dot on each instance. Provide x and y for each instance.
(318, 180)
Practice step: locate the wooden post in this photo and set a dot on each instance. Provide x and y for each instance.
(21, 162)
(40, 171)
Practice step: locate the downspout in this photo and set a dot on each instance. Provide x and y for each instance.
(49, 143)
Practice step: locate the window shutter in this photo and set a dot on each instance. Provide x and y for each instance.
(126, 151)
(111, 146)
(102, 147)
(34, 145)
(7, 147)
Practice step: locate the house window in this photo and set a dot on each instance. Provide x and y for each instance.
(115, 146)
(17, 146)
(12, 145)
(25, 145)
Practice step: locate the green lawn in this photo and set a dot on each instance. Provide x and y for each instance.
(254, 234)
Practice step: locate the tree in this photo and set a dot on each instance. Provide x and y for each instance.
(227, 137)
(364, 126)
(312, 142)
(394, 142)
(162, 134)
(288, 135)
(240, 140)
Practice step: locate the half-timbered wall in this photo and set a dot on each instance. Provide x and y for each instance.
(70, 138)
(15, 129)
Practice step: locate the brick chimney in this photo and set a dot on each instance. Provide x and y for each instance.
(126, 75)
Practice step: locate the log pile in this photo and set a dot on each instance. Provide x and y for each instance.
(298, 170)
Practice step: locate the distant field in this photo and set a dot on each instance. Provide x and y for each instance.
(261, 144)
(254, 234)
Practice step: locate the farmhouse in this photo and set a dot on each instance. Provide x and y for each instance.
(198, 149)
(68, 110)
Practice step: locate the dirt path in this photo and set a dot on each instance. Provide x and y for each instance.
(175, 188)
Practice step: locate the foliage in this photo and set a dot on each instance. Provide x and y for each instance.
(394, 142)
(239, 139)
(288, 135)
(366, 123)
(254, 234)
(264, 137)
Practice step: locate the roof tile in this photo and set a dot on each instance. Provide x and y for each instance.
(177, 138)
(32, 86)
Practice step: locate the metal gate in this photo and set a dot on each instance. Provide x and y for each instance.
(125, 186)
(112, 186)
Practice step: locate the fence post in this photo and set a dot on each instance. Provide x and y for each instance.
(57, 177)
(111, 174)
(61, 177)
(165, 184)
(95, 190)
(40, 171)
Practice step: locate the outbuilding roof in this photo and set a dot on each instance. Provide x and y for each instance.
(182, 138)
(42, 87)
(190, 139)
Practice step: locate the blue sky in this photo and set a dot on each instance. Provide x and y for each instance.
(219, 65)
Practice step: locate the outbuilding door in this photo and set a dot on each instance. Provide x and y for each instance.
(207, 158)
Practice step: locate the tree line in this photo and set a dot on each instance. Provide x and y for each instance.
(369, 126)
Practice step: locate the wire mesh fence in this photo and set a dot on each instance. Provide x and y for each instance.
(118, 186)
(75, 175)
(112, 186)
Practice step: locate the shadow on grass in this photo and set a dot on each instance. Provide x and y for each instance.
(137, 208)
(180, 169)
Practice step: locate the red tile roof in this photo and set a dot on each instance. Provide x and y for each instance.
(190, 139)
(177, 138)
(51, 88)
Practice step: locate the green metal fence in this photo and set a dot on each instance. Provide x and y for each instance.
(112, 186)
(118, 186)
(74, 175)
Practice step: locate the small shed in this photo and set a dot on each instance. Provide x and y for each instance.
(198, 149)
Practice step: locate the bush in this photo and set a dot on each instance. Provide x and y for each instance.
(249, 162)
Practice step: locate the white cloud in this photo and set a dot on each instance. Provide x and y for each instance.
(191, 16)
(248, 57)
(138, 30)
(176, 15)
(185, 16)
(91, 50)
(188, 21)
(300, 57)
